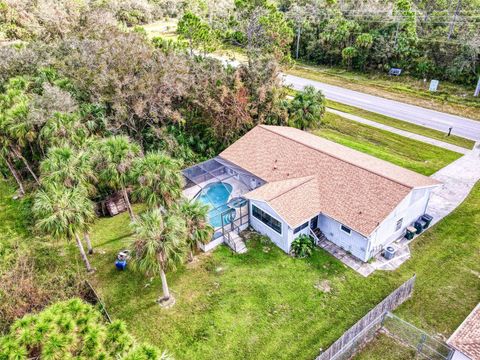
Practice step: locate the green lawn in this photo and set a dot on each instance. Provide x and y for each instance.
(402, 125)
(411, 154)
(264, 304)
(385, 348)
(260, 305)
(451, 98)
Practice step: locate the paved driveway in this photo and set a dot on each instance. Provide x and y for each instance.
(466, 128)
(458, 179)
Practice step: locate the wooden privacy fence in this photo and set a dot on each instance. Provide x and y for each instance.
(365, 328)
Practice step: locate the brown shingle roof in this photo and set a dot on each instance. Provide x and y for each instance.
(306, 175)
(466, 338)
(291, 194)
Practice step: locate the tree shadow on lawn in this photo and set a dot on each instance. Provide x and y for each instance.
(113, 240)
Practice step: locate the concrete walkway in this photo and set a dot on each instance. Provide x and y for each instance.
(458, 179)
(394, 130)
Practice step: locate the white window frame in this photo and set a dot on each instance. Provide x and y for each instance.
(305, 225)
(273, 217)
(397, 227)
(345, 232)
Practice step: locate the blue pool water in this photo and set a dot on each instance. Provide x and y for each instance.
(216, 195)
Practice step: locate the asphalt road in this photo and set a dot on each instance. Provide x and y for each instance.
(466, 128)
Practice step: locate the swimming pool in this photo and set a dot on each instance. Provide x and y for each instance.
(216, 195)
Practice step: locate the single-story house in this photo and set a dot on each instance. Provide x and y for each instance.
(298, 183)
(465, 341)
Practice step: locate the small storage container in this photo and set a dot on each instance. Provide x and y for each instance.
(121, 261)
(411, 231)
(419, 225)
(428, 219)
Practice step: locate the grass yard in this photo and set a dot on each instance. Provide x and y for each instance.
(451, 98)
(260, 305)
(385, 348)
(411, 154)
(402, 125)
(265, 304)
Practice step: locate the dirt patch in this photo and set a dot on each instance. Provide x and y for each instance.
(323, 286)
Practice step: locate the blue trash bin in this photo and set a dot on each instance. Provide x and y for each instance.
(120, 264)
(121, 261)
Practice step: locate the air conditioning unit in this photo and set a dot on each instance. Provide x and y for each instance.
(389, 252)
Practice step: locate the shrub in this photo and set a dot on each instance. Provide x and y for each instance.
(72, 329)
(303, 246)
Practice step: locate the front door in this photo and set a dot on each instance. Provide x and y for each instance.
(314, 223)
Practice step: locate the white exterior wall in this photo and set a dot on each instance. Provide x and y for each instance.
(354, 242)
(211, 245)
(281, 240)
(410, 209)
(457, 355)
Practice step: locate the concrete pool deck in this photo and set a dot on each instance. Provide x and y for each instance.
(238, 187)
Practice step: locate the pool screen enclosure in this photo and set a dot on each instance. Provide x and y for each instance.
(219, 186)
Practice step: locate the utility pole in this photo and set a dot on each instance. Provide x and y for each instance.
(477, 89)
(452, 23)
(299, 30)
(396, 35)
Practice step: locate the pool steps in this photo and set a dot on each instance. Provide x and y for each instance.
(235, 242)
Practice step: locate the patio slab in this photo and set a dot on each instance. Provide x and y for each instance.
(378, 263)
(359, 266)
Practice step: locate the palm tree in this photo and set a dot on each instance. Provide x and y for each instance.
(64, 213)
(159, 245)
(198, 229)
(16, 127)
(307, 108)
(117, 154)
(6, 158)
(63, 129)
(69, 167)
(73, 329)
(158, 180)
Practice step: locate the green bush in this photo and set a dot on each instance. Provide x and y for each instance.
(72, 329)
(303, 246)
